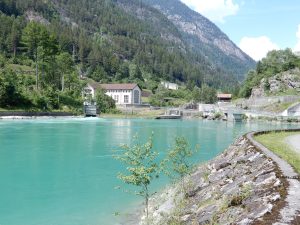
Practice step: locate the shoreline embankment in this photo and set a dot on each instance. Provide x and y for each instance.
(246, 184)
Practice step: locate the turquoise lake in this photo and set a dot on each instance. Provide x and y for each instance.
(61, 171)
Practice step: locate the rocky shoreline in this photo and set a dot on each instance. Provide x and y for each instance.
(240, 186)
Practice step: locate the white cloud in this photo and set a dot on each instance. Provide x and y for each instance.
(215, 10)
(257, 47)
(297, 47)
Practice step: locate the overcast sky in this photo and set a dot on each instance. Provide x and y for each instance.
(256, 26)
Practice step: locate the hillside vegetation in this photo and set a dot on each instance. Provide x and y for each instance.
(45, 46)
(276, 74)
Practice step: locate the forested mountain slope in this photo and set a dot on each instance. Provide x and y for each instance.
(205, 38)
(124, 40)
(47, 46)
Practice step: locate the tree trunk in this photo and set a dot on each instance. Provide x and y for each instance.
(183, 185)
(62, 83)
(15, 50)
(43, 75)
(36, 70)
(147, 204)
(74, 53)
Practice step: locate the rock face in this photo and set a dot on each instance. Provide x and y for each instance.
(240, 186)
(34, 16)
(278, 83)
(204, 37)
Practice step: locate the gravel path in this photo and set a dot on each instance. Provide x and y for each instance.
(294, 142)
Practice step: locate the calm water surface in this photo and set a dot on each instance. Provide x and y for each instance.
(61, 171)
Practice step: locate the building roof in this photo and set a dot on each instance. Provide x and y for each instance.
(224, 95)
(114, 86)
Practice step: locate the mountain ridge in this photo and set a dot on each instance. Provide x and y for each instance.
(204, 35)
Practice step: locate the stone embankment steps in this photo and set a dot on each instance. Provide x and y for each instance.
(246, 184)
(240, 186)
(292, 208)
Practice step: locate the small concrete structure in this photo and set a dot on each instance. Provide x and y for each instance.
(294, 110)
(207, 109)
(169, 85)
(238, 117)
(171, 114)
(90, 110)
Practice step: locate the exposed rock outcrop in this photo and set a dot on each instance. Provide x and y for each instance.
(278, 83)
(240, 186)
(36, 17)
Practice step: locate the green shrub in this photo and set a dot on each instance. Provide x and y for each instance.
(104, 102)
(2, 61)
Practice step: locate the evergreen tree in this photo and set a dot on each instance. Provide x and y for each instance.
(32, 38)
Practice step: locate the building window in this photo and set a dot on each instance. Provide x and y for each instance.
(116, 98)
(136, 96)
(126, 99)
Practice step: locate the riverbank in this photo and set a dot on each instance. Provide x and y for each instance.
(240, 186)
(136, 113)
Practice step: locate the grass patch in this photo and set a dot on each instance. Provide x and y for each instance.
(145, 114)
(278, 107)
(276, 142)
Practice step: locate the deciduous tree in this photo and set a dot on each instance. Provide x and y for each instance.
(179, 163)
(142, 167)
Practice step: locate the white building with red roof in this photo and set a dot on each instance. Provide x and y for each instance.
(123, 94)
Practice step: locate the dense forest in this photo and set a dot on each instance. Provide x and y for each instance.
(46, 46)
(276, 62)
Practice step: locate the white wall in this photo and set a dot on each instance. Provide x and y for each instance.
(119, 96)
(292, 111)
(170, 86)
